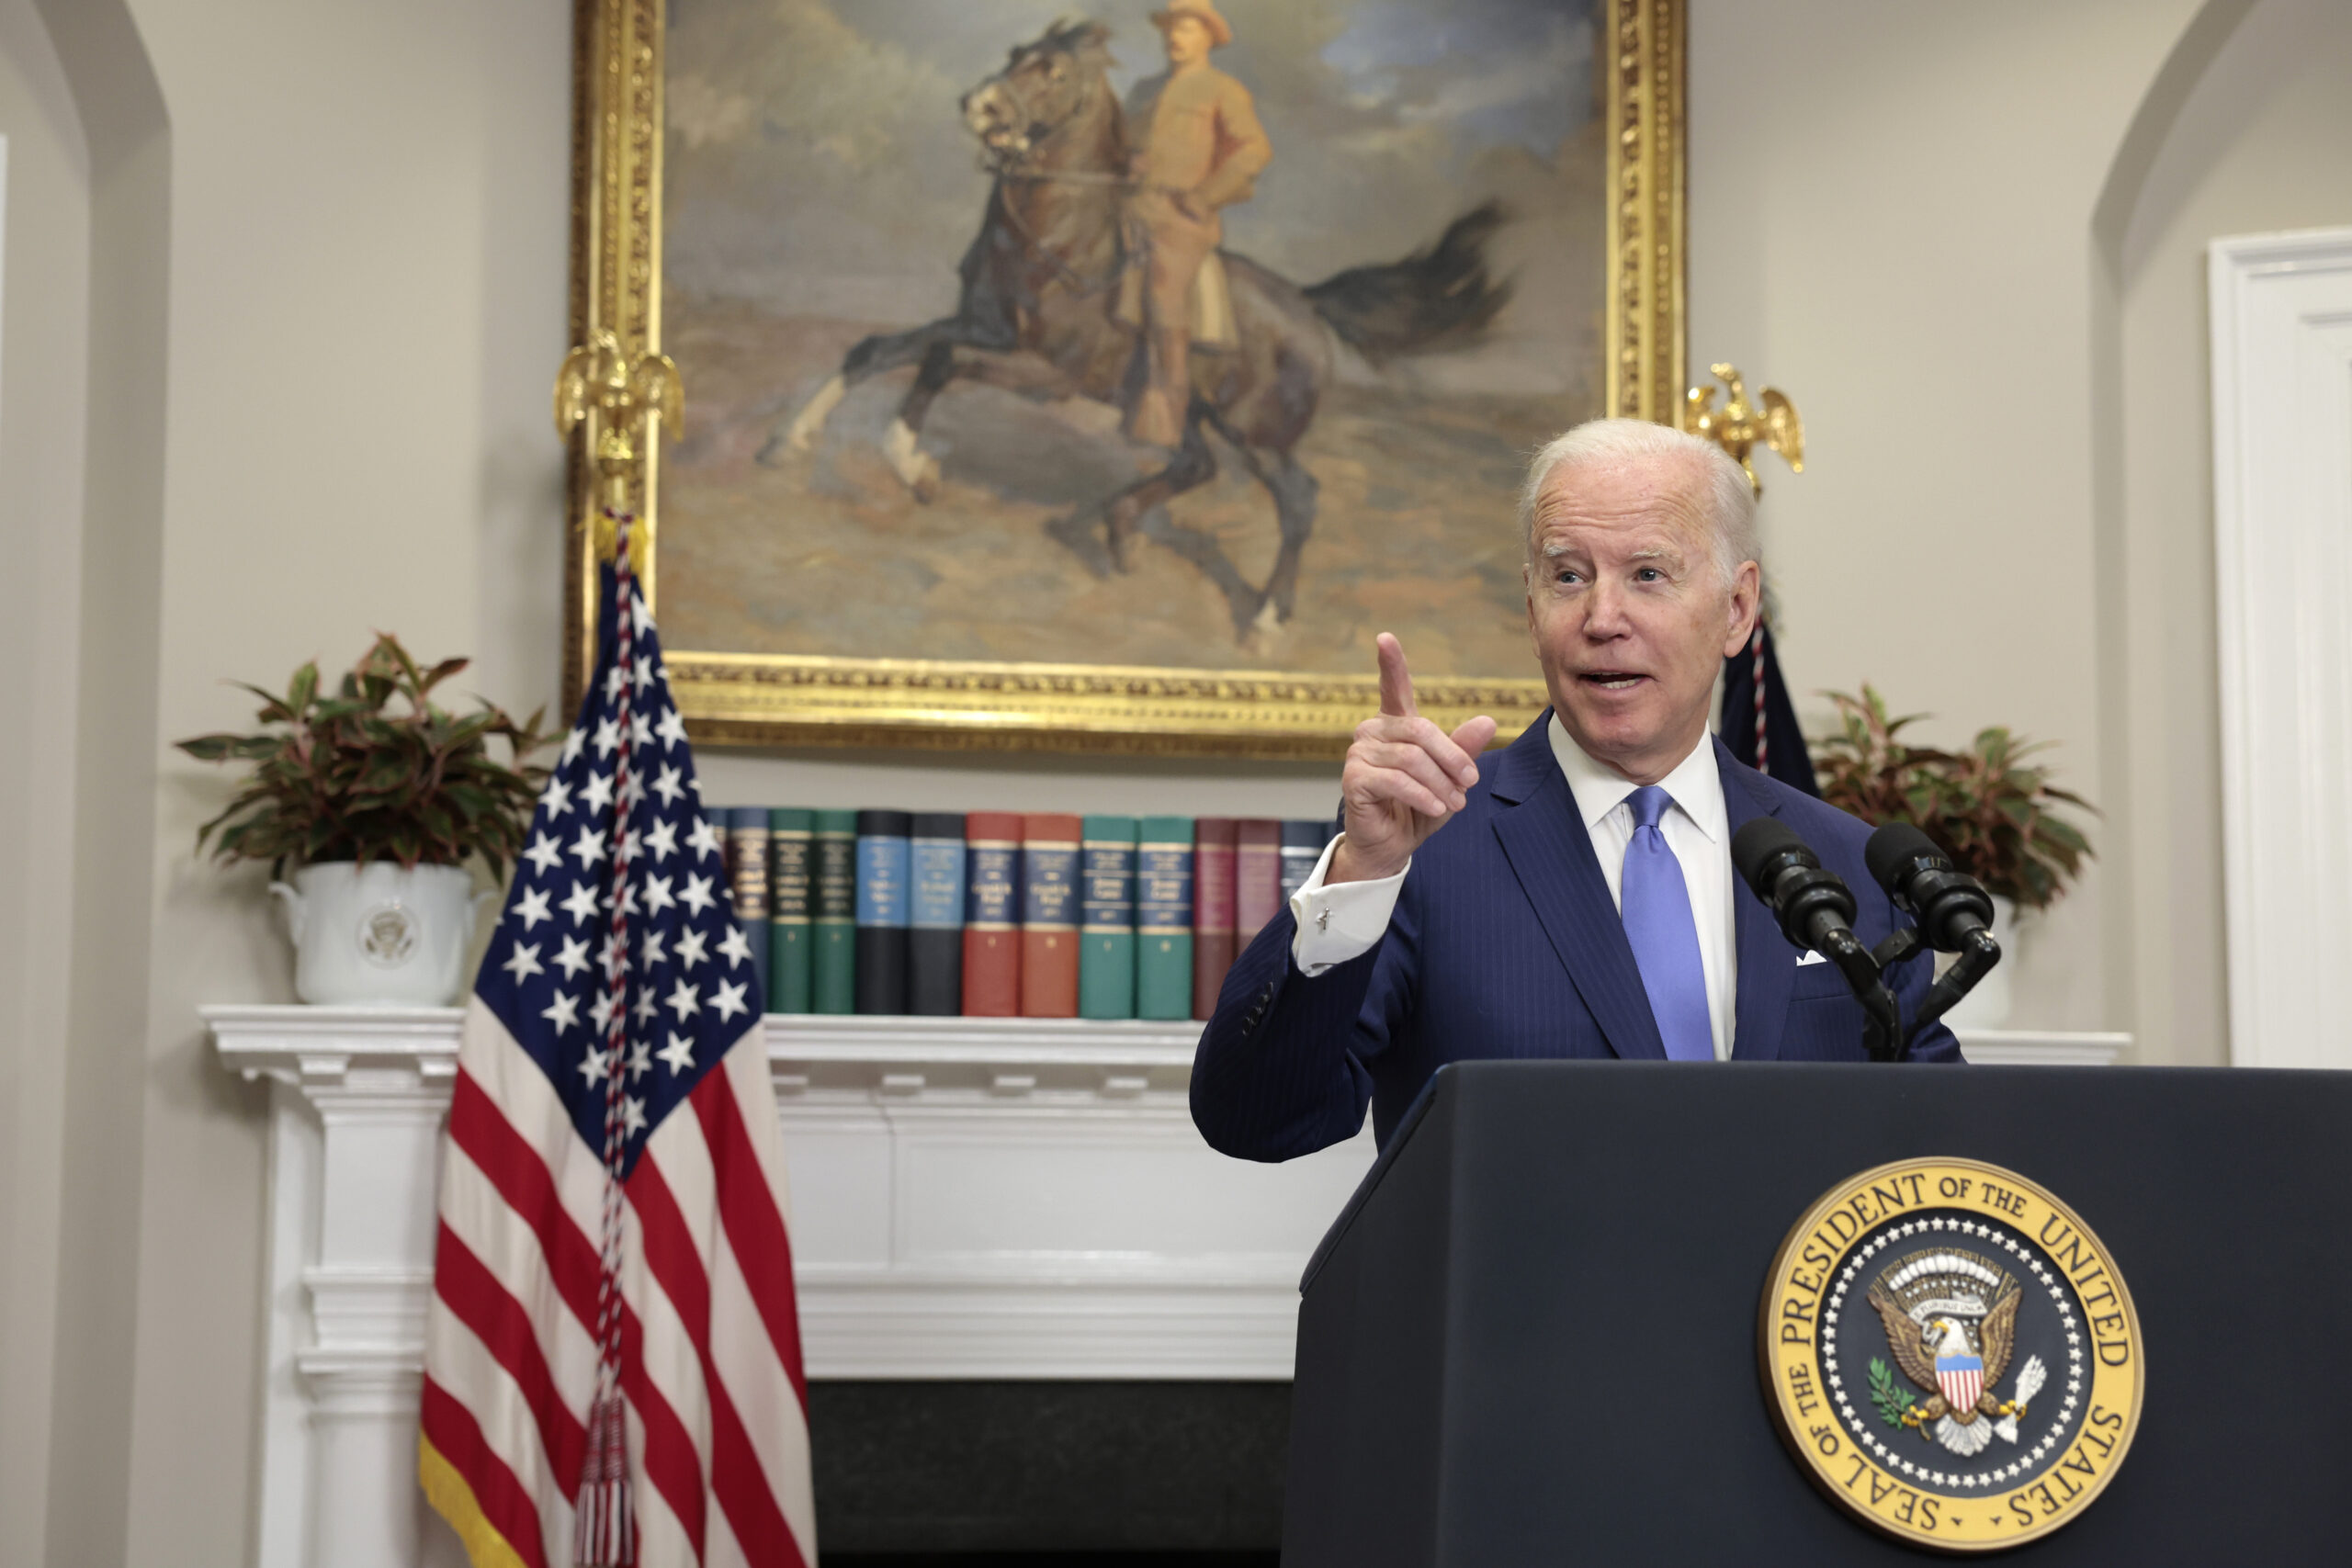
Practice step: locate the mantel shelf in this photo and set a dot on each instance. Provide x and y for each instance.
(273, 1040)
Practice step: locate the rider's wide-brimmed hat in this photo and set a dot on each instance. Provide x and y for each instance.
(1204, 10)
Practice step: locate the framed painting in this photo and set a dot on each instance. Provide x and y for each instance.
(1108, 380)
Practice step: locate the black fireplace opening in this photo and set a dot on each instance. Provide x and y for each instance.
(1128, 1474)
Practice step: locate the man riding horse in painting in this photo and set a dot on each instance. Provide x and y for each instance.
(1054, 302)
(1198, 146)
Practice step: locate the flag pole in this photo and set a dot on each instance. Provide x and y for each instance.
(615, 400)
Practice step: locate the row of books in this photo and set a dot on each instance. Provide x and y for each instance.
(1001, 914)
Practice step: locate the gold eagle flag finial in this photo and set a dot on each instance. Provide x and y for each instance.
(615, 398)
(1737, 426)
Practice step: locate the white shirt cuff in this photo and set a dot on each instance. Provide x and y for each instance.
(1336, 924)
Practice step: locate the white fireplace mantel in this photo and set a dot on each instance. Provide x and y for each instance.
(971, 1198)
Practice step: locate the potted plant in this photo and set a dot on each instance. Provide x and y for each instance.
(379, 798)
(1993, 812)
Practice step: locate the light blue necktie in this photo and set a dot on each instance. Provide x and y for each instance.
(1656, 903)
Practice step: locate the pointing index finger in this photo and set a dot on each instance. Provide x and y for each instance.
(1396, 681)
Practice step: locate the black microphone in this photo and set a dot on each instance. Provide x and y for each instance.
(1948, 902)
(1954, 912)
(1815, 910)
(1813, 906)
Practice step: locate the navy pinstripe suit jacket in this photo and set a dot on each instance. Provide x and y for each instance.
(1505, 942)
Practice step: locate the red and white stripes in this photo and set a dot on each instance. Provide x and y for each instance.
(710, 1370)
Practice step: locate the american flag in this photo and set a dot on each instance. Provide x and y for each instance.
(618, 995)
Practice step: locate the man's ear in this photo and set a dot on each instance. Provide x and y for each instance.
(1747, 604)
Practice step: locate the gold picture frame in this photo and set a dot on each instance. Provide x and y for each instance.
(758, 699)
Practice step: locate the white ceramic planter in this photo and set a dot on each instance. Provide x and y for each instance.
(379, 936)
(1987, 1007)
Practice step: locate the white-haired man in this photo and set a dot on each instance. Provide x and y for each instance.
(1585, 904)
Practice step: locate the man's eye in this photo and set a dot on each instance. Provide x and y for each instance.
(1649, 574)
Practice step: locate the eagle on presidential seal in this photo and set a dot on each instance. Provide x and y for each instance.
(1951, 1319)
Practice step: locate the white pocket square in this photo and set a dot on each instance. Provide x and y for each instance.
(1809, 956)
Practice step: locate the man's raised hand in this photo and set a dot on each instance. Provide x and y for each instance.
(1404, 779)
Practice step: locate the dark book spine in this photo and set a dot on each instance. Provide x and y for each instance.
(1164, 918)
(747, 884)
(1212, 911)
(936, 917)
(1302, 843)
(1106, 960)
(883, 855)
(833, 924)
(992, 915)
(1050, 915)
(1257, 877)
(788, 909)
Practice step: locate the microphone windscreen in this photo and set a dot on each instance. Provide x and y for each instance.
(1893, 850)
(1756, 846)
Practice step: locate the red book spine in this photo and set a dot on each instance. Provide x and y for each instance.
(993, 914)
(1257, 878)
(1213, 949)
(1049, 890)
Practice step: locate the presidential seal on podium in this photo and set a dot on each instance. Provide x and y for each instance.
(1951, 1354)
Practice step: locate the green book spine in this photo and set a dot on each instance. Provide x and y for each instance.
(833, 923)
(1164, 918)
(788, 892)
(1106, 932)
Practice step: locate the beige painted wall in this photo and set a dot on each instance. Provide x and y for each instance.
(1891, 217)
(2264, 142)
(44, 288)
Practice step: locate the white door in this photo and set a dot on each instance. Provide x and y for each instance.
(2282, 518)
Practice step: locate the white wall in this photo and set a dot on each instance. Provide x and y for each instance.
(359, 215)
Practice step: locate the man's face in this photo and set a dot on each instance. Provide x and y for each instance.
(1629, 619)
(1188, 40)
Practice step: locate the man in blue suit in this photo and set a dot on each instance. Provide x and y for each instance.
(1584, 903)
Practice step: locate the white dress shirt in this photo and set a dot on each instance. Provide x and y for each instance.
(1336, 924)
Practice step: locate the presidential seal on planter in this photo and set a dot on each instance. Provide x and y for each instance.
(1951, 1354)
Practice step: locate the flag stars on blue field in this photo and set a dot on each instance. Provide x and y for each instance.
(660, 868)
(581, 904)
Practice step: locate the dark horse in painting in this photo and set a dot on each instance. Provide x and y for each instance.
(1038, 316)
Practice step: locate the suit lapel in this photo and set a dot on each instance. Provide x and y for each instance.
(1767, 965)
(1544, 836)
